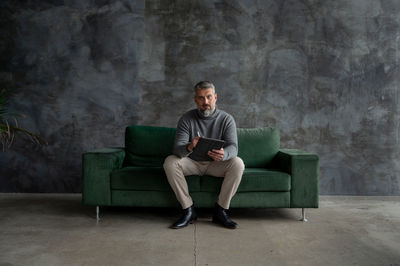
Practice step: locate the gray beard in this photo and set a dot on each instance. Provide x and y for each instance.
(207, 113)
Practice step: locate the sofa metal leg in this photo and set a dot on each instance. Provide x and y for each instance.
(97, 213)
(303, 214)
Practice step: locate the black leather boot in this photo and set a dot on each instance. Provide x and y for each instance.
(221, 217)
(189, 216)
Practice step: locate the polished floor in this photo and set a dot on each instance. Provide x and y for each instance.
(56, 229)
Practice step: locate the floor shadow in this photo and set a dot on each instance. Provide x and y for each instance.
(71, 205)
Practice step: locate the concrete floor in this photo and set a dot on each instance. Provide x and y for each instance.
(55, 229)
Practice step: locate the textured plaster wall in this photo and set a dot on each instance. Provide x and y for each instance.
(325, 72)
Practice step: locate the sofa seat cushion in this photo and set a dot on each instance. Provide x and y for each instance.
(253, 179)
(146, 179)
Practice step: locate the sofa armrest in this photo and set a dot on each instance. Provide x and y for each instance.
(97, 166)
(304, 170)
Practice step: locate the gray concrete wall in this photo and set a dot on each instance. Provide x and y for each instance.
(325, 72)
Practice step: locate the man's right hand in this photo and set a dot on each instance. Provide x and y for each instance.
(193, 144)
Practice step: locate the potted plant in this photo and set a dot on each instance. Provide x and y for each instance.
(9, 125)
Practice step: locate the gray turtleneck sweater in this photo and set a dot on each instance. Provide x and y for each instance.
(219, 125)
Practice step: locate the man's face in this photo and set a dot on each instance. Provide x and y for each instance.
(205, 100)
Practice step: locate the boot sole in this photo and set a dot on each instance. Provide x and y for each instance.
(224, 225)
(179, 227)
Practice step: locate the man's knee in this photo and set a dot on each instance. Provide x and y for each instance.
(172, 161)
(237, 164)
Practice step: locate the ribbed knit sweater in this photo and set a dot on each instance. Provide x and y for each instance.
(220, 125)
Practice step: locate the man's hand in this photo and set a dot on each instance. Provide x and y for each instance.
(216, 155)
(193, 144)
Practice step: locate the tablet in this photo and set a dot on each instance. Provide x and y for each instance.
(203, 146)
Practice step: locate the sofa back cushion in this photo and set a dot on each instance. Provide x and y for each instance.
(147, 145)
(258, 146)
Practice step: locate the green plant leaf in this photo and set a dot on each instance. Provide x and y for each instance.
(8, 129)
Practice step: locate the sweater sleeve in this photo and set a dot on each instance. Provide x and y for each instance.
(182, 139)
(230, 137)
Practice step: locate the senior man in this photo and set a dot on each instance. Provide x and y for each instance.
(206, 121)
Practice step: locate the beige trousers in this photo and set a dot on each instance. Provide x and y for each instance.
(177, 168)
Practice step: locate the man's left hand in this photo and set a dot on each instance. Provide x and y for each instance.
(216, 155)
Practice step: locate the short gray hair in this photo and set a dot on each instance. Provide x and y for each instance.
(202, 85)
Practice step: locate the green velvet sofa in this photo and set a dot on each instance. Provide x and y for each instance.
(134, 176)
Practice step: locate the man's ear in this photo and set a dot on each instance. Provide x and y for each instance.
(216, 97)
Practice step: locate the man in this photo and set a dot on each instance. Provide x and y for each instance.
(206, 121)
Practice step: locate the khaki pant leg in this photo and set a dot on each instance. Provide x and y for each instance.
(176, 168)
(232, 171)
